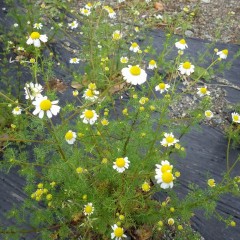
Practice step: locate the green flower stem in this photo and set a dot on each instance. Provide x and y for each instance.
(24, 140)
(9, 99)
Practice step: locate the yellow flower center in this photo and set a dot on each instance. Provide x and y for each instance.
(104, 122)
(208, 114)
(110, 10)
(182, 41)
(79, 170)
(170, 139)
(225, 51)
(45, 105)
(134, 45)
(203, 90)
(69, 135)
(145, 187)
(116, 36)
(35, 35)
(152, 62)
(92, 86)
(135, 70)
(88, 209)
(187, 65)
(161, 86)
(235, 118)
(89, 114)
(120, 162)
(167, 177)
(74, 60)
(118, 232)
(16, 109)
(85, 11)
(165, 168)
(89, 93)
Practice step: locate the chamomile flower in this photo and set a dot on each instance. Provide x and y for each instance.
(75, 93)
(120, 1)
(211, 182)
(90, 94)
(186, 68)
(88, 6)
(20, 49)
(235, 117)
(117, 35)
(152, 64)
(118, 232)
(111, 13)
(124, 59)
(134, 75)
(38, 25)
(208, 114)
(134, 47)
(43, 104)
(163, 167)
(223, 54)
(169, 140)
(74, 60)
(85, 11)
(73, 24)
(165, 179)
(33, 90)
(162, 87)
(89, 116)
(36, 38)
(104, 122)
(17, 111)
(70, 137)
(88, 209)
(92, 86)
(202, 91)
(181, 45)
(146, 187)
(121, 164)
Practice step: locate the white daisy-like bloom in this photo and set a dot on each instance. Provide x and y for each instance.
(169, 140)
(208, 114)
(134, 75)
(15, 25)
(88, 209)
(73, 24)
(33, 90)
(186, 68)
(124, 59)
(38, 25)
(111, 12)
(85, 11)
(120, 1)
(152, 64)
(17, 111)
(88, 6)
(89, 116)
(165, 179)
(117, 35)
(91, 94)
(134, 47)
(162, 87)
(36, 38)
(223, 54)
(121, 164)
(202, 91)
(43, 104)
(163, 167)
(74, 60)
(181, 45)
(148, 1)
(235, 117)
(70, 137)
(118, 232)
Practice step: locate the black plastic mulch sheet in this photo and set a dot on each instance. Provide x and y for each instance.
(206, 154)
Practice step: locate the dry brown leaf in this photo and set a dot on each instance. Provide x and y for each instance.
(144, 233)
(57, 85)
(117, 88)
(76, 85)
(159, 6)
